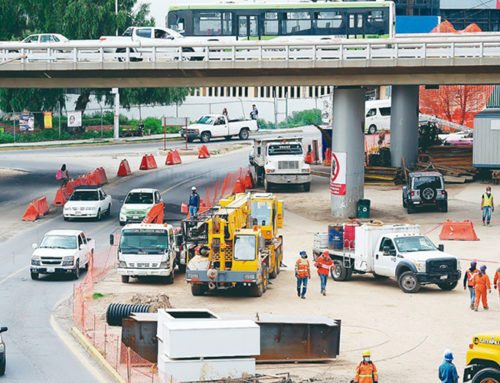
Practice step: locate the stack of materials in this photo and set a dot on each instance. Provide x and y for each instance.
(454, 162)
(375, 175)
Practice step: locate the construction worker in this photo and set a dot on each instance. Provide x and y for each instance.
(481, 284)
(469, 282)
(366, 372)
(324, 264)
(447, 370)
(496, 281)
(302, 272)
(194, 202)
(487, 206)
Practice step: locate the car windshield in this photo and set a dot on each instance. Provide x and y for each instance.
(244, 248)
(280, 149)
(427, 181)
(140, 198)
(206, 120)
(59, 242)
(261, 211)
(411, 244)
(85, 195)
(128, 32)
(141, 239)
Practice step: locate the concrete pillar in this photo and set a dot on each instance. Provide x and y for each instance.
(348, 138)
(404, 125)
(116, 130)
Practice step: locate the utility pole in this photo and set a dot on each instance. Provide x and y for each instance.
(116, 16)
(60, 116)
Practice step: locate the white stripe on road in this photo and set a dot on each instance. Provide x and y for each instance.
(13, 274)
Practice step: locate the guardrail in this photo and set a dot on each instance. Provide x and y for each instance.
(93, 51)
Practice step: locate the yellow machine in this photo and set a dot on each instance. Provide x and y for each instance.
(483, 359)
(235, 244)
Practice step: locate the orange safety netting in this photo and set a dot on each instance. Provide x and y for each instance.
(455, 103)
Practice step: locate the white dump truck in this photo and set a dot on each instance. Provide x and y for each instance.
(280, 161)
(396, 251)
(217, 125)
(146, 250)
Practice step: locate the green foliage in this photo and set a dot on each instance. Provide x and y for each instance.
(302, 118)
(12, 19)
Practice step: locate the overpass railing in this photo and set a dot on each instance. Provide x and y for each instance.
(94, 51)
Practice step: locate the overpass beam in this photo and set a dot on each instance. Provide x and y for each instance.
(348, 143)
(404, 125)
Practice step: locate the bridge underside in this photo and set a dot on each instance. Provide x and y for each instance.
(251, 73)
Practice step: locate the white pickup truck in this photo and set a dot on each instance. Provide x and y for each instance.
(399, 252)
(280, 161)
(151, 34)
(62, 252)
(146, 250)
(217, 125)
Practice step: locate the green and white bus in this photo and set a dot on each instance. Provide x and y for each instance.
(264, 21)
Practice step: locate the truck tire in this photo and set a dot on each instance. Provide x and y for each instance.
(205, 137)
(170, 279)
(408, 282)
(2, 365)
(307, 187)
(341, 273)
(182, 268)
(125, 278)
(257, 290)
(267, 186)
(410, 208)
(198, 290)
(372, 129)
(488, 375)
(443, 207)
(244, 133)
(98, 216)
(76, 272)
(35, 276)
(447, 286)
(274, 273)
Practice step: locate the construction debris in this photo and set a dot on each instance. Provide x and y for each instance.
(375, 175)
(160, 301)
(454, 162)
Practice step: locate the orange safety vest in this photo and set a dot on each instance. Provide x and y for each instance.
(302, 268)
(496, 281)
(482, 281)
(470, 277)
(366, 373)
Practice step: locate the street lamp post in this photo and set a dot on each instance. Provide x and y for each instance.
(116, 16)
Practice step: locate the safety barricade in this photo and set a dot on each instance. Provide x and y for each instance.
(155, 214)
(42, 206)
(458, 231)
(60, 199)
(203, 152)
(102, 174)
(173, 158)
(31, 213)
(124, 169)
(148, 162)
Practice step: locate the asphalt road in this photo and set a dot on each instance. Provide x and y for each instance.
(34, 351)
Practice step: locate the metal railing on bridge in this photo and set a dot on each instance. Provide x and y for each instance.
(95, 51)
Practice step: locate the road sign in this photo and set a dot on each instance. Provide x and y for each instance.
(339, 173)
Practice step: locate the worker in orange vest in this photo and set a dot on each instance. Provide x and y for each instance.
(302, 272)
(481, 284)
(366, 372)
(469, 282)
(324, 264)
(496, 281)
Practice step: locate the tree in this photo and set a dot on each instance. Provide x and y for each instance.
(12, 19)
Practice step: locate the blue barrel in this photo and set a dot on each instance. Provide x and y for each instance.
(336, 236)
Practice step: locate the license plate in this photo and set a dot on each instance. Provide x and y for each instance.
(51, 270)
(443, 277)
(135, 217)
(78, 213)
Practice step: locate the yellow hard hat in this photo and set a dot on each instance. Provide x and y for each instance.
(367, 353)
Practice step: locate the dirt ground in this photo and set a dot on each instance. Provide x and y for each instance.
(406, 333)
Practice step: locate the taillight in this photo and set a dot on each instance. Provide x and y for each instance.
(102, 38)
(471, 346)
(412, 193)
(443, 192)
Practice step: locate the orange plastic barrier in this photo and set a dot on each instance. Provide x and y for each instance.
(238, 187)
(176, 156)
(31, 213)
(69, 189)
(458, 231)
(308, 158)
(184, 208)
(170, 159)
(60, 199)
(248, 181)
(102, 173)
(42, 206)
(155, 215)
(203, 152)
(124, 169)
(148, 162)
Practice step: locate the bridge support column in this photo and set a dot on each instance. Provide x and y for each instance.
(116, 131)
(404, 125)
(348, 147)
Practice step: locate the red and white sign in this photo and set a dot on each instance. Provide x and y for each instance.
(339, 172)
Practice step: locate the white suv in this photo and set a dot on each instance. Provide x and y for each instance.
(87, 202)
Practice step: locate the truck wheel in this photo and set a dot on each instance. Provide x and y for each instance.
(125, 278)
(76, 272)
(190, 140)
(205, 137)
(170, 279)
(244, 134)
(447, 286)
(198, 290)
(410, 208)
(2, 366)
(405, 204)
(408, 282)
(267, 186)
(307, 187)
(66, 218)
(372, 129)
(256, 290)
(34, 276)
(274, 273)
(98, 216)
(182, 268)
(443, 207)
(341, 273)
(488, 375)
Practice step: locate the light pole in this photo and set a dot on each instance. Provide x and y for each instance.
(116, 16)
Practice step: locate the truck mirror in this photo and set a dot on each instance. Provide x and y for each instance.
(3, 329)
(34, 245)
(111, 239)
(441, 247)
(392, 252)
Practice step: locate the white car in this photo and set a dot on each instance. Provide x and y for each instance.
(45, 38)
(87, 202)
(62, 252)
(137, 205)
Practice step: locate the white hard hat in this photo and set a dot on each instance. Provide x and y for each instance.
(193, 188)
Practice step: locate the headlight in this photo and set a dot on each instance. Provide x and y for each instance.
(306, 170)
(249, 277)
(122, 264)
(420, 267)
(2, 347)
(35, 261)
(164, 265)
(270, 170)
(68, 260)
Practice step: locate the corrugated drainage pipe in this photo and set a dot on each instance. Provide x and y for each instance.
(118, 311)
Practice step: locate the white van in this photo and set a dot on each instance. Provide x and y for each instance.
(377, 116)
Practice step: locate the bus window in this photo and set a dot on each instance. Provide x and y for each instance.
(227, 24)
(271, 24)
(180, 24)
(328, 20)
(208, 23)
(297, 23)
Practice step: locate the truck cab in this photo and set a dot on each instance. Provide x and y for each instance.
(218, 125)
(146, 250)
(483, 359)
